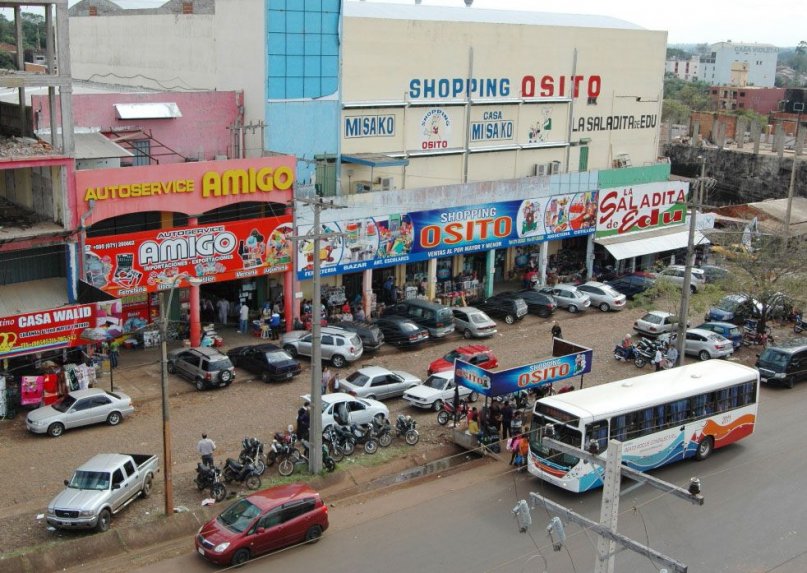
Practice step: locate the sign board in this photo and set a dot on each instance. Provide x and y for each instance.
(624, 210)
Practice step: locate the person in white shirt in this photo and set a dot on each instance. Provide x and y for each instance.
(206, 447)
(243, 316)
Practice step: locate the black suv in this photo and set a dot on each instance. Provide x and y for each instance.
(785, 362)
(270, 362)
(538, 303)
(205, 367)
(631, 285)
(507, 305)
(371, 336)
(402, 332)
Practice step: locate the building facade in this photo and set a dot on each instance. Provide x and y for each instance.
(684, 69)
(731, 63)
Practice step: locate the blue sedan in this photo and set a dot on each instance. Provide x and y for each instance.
(725, 329)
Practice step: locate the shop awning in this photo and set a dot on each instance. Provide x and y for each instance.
(648, 242)
(375, 160)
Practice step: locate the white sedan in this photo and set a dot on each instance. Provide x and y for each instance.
(344, 409)
(436, 390)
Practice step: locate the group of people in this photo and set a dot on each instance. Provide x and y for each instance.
(666, 359)
(508, 422)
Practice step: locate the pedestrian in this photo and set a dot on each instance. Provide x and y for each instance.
(512, 446)
(496, 416)
(303, 421)
(672, 356)
(274, 324)
(556, 332)
(657, 358)
(473, 422)
(327, 382)
(516, 423)
(206, 447)
(223, 306)
(208, 311)
(524, 447)
(359, 315)
(507, 418)
(243, 316)
(331, 384)
(113, 353)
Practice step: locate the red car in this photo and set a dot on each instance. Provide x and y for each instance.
(476, 354)
(264, 521)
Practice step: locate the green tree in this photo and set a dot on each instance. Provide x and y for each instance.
(674, 111)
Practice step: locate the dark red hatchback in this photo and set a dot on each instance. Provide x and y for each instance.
(264, 521)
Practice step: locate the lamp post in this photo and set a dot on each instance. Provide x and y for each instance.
(167, 462)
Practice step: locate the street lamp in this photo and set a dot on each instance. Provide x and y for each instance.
(167, 462)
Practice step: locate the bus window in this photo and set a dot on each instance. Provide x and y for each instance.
(661, 421)
(734, 396)
(699, 405)
(618, 428)
(597, 432)
(648, 421)
(678, 411)
(722, 400)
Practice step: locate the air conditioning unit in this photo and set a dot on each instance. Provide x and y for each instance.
(362, 186)
(554, 167)
(539, 170)
(387, 183)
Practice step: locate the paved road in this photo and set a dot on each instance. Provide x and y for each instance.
(753, 520)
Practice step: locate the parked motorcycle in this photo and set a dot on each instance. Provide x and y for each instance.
(625, 354)
(406, 426)
(646, 351)
(363, 434)
(242, 473)
(448, 413)
(751, 336)
(382, 431)
(345, 439)
(330, 439)
(210, 477)
(327, 461)
(282, 447)
(252, 451)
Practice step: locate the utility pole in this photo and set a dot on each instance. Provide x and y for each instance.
(792, 187)
(315, 428)
(607, 528)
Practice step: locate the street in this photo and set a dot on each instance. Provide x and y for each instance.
(752, 520)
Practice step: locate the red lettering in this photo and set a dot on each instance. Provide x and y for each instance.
(547, 86)
(594, 86)
(453, 233)
(528, 86)
(577, 80)
(430, 236)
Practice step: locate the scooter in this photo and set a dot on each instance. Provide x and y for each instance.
(210, 477)
(242, 473)
(406, 426)
(382, 431)
(625, 354)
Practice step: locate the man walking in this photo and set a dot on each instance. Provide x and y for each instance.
(206, 447)
(223, 306)
(243, 316)
(507, 418)
(556, 332)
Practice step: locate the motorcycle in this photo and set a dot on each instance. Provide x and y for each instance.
(242, 473)
(646, 351)
(345, 439)
(799, 327)
(364, 435)
(282, 447)
(210, 477)
(382, 431)
(752, 336)
(625, 354)
(330, 439)
(406, 426)
(327, 461)
(448, 413)
(490, 439)
(252, 451)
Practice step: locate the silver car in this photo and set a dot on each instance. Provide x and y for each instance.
(603, 296)
(80, 408)
(703, 343)
(472, 322)
(568, 297)
(378, 383)
(338, 345)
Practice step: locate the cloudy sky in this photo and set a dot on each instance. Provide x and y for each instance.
(777, 22)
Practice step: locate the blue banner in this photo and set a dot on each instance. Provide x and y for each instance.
(420, 235)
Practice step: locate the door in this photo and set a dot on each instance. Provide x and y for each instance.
(101, 406)
(358, 413)
(385, 386)
(267, 533)
(80, 414)
(799, 365)
(304, 345)
(255, 361)
(120, 492)
(298, 517)
(188, 365)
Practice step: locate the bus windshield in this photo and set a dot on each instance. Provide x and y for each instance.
(563, 433)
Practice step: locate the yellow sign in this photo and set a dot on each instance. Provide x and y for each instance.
(244, 181)
(147, 189)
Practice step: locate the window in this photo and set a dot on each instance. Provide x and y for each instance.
(101, 401)
(117, 477)
(597, 432)
(381, 381)
(82, 405)
(274, 517)
(297, 509)
(327, 340)
(129, 467)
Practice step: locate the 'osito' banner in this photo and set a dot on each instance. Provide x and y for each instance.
(157, 260)
(496, 383)
(420, 235)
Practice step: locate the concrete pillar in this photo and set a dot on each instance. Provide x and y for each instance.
(367, 291)
(755, 133)
(490, 271)
(288, 298)
(633, 264)
(696, 132)
(543, 261)
(779, 140)
(590, 257)
(431, 271)
(457, 264)
(800, 140)
(194, 312)
(739, 132)
(400, 275)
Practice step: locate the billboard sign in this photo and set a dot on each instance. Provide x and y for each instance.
(623, 210)
(150, 261)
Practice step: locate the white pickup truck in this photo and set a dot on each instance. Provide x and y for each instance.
(101, 487)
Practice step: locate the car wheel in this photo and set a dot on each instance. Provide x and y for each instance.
(171, 368)
(291, 350)
(704, 355)
(241, 556)
(572, 308)
(113, 419)
(705, 448)
(104, 519)
(604, 307)
(226, 376)
(509, 318)
(200, 384)
(148, 485)
(468, 334)
(56, 430)
(473, 397)
(338, 361)
(313, 534)
(438, 405)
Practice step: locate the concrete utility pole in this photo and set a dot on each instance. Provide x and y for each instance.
(792, 187)
(606, 529)
(315, 427)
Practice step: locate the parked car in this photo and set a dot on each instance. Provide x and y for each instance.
(725, 329)
(704, 344)
(337, 345)
(472, 322)
(378, 383)
(603, 296)
(631, 285)
(101, 487)
(80, 408)
(371, 336)
(714, 273)
(506, 305)
(476, 354)
(785, 362)
(402, 332)
(342, 408)
(264, 521)
(655, 322)
(270, 362)
(676, 274)
(568, 297)
(539, 303)
(205, 367)
(437, 390)
(724, 310)
(435, 317)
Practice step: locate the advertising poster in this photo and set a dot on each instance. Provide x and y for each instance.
(641, 207)
(496, 383)
(421, 235)
(152, 260)
(58, 328)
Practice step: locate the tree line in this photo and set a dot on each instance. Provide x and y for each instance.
(33, 34)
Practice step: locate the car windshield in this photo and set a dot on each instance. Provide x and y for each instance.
(452, 356)
(357, 379)
(436, 382)
(277, 356)
(238, 516)
(64, 404)
(654, 318)
(479, 318)
(445, 315)
(610, 291)
(773, 357)
(98, 481)
(729, 303)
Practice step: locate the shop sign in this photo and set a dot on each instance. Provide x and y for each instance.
(436, 129)
(641, 207)
(493, 127)
(500, 382)
(56, 328)
(150, 261)
(369, 126)
(421, 235)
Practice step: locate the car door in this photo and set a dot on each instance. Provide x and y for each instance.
(188, 364)
(99, 410)
(694, 343)
(326, 346)
(254, 361)
(382, 386)
(296, 519)
(80, 414)
(799, 365)
(460, 320)
(119, 491)
(304, 345)
(267, 534)
(358, 413)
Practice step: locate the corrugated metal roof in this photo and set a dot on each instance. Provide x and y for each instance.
(31, 296)
(94, 145)
(464, 14)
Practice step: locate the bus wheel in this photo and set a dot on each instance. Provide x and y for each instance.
(705, 448)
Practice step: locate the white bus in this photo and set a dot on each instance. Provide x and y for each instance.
(662, 417)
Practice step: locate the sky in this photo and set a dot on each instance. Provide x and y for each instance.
(776, 22)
